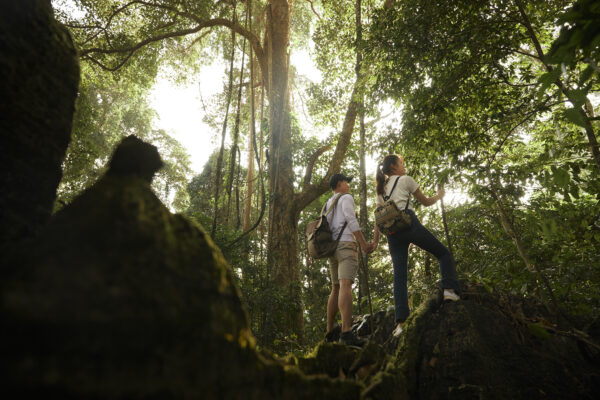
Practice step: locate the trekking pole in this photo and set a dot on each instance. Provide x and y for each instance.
(364, 268)
(444, 221)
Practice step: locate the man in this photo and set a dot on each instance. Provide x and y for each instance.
(344, 263)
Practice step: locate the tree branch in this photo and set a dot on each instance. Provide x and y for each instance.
(506, 81)
(311, 163)
(114, 14)
(254, 40)
(312, 7)
(312, 191)
(106, 68)
(589, 129)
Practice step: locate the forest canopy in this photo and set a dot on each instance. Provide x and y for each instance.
(495, 100)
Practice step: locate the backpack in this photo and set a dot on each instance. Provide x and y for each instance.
(389, 219)
(319, 239)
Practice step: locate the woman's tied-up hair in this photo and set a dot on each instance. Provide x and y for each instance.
(383, 171)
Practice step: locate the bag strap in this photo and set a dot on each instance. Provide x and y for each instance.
(332, 207)
(386, 198)
(333, 204)
(345, 222)
(342, 231)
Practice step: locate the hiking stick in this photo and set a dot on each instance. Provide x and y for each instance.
(363, 263)
(446, 231)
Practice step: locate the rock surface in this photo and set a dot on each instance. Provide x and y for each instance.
(39, 75)
(485, 346)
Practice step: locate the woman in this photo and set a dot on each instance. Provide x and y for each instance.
(389, 173)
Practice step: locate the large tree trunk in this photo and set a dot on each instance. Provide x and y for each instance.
(286, 319)
(282, 240)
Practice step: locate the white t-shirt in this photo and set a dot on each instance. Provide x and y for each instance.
(344, 211)
(406, 185)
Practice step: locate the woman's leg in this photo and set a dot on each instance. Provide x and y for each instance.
(399, 253)
(428, 242)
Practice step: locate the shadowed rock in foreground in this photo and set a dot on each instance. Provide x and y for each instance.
(39, 75)
(119, 298)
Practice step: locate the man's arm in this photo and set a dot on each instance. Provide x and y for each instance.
(350, 217)
(366, 247)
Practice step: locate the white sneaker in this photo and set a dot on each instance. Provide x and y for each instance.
(398, 331)
(449, 294)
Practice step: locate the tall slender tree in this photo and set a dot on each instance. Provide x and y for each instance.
(219, 167)
(235, 135)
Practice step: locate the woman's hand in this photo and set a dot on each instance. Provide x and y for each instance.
(373, 246)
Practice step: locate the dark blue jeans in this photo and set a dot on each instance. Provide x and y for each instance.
(398, 243)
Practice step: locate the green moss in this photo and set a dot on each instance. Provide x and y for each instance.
(331, 359)
(479, 347)
(386, 386)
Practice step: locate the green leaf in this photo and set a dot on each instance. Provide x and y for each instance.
(562, 178)
(573, 115)
(578, 96)
(548, 79)
(523, 288)
(538, 330)
(585, 75)
(595, 42)
(576, 38)
(574, 191)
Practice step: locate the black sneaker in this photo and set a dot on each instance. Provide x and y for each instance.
(330, 336)
(349, 339)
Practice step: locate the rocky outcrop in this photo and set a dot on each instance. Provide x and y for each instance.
(485, 346)
(39, 75)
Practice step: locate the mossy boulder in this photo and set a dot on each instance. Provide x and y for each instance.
(39, 74)
(488, 345)
(119, 298)
(482, 347)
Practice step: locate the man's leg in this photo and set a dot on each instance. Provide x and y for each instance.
(332, 306)
(332, 303)
(345, 303)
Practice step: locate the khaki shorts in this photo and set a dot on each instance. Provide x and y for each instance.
(344, 263)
